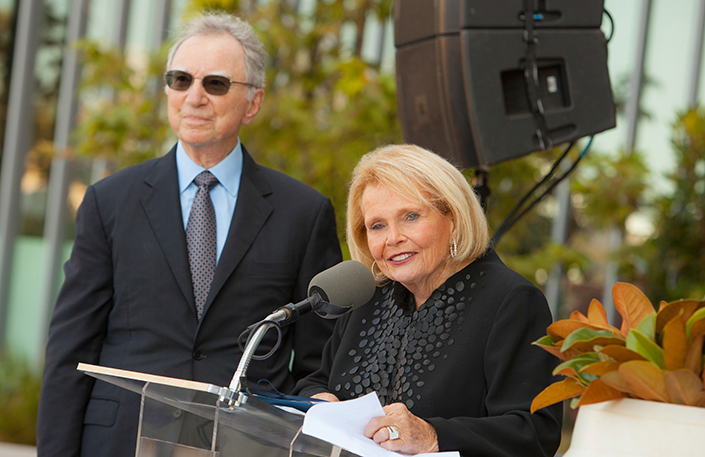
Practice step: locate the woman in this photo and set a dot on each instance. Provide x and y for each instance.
(446, 340)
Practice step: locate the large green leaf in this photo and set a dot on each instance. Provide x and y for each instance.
(647, 326)
(545, 341)
(574, 366)
(639, 343)
(586, 338)
(549, 344)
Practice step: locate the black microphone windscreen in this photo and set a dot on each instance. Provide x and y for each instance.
(345, 286)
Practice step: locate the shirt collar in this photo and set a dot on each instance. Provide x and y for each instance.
(227, 171)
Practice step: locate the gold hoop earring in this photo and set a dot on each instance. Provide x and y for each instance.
(453, 248)
(372, 269)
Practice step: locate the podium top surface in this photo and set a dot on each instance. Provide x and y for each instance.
(101, 372)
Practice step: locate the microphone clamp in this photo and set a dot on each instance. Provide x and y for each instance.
(290, 313)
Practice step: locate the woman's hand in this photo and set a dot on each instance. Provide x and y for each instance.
(327, 396)
(415, 434)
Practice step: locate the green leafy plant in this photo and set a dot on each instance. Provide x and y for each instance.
(654, 355)
(128, 126)
(676, 252)
(19, 400)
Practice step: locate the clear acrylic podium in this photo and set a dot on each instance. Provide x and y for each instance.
(180, 418)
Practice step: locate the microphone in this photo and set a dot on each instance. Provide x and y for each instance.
(331, 293)
(342, 288)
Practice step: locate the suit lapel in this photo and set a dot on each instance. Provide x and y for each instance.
(162, 206)
(251, 212)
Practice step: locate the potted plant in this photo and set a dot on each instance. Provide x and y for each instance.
(655, 356)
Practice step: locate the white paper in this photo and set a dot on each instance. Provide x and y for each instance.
(291, 410)
(343, 424)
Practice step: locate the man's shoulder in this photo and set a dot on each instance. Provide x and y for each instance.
(132, 174)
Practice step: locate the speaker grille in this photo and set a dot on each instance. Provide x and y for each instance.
(465, 94)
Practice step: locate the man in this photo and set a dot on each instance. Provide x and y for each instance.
(135, 296)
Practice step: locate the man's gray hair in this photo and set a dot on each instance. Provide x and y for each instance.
(223, 23)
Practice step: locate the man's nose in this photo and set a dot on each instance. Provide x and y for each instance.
(196, 94)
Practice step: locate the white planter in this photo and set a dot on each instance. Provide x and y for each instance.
(638, 428)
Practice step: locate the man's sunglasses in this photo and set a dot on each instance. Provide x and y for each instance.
(213, 84)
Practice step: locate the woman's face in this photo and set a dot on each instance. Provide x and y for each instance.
(409, 241)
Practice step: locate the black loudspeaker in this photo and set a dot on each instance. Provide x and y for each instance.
(480, 82)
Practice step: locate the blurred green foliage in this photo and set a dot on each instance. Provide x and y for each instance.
(326, 105)
(19, 400)
(611, 188)
(607, 191)
(120, 118)
(675, 255)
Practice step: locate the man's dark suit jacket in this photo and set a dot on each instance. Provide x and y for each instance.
(127, 300)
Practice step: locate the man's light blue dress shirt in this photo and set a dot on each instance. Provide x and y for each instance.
(223, 195)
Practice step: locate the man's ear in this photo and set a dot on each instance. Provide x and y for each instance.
(254, 106)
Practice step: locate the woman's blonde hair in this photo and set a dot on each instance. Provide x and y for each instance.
(423, 177)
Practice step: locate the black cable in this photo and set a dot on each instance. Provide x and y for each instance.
(503, 226)
(609, 16)
(541, 197)
(531, 73)
(249, 331)
(509, 223)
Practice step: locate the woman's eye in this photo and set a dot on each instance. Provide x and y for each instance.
(412, 216)
(374, 227)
